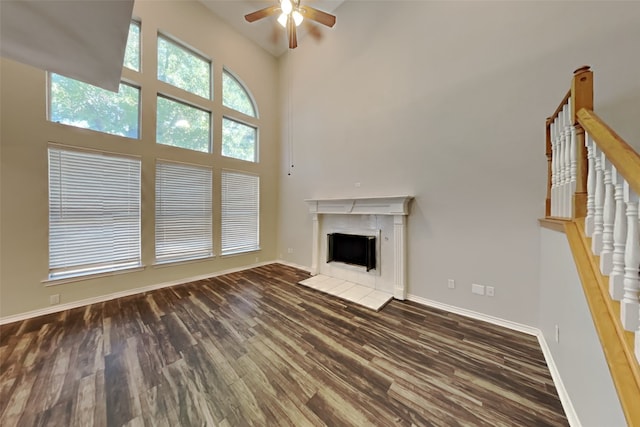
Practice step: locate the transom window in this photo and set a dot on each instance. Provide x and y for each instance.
(235, 96)
(238, 140)
(183, 68)
(182, 125)
(85, 106)
(79, 104)
(132, 53)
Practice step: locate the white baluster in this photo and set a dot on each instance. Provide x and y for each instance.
(560, 167)
(596, 238)
(591, 186)
(573, 159)
(554, 169)
(606, 255)
(616, 278)
(567, 163)
(629, 313)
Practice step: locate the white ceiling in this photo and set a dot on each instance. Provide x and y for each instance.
(262, 32)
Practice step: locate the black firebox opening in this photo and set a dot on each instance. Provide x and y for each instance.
(352, 249)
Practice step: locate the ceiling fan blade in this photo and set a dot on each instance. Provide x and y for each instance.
(262, 13)
(319, 16)
(291, 30)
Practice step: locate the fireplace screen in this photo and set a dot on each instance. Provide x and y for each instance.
(352, 249)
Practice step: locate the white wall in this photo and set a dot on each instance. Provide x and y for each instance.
(446, 101)
(578, 354)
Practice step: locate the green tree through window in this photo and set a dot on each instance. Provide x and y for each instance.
(83, 105)
(182, 125)
(238, 140)
(235, 96)
(183, 68)
(132, 53)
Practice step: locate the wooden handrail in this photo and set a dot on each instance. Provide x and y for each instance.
(617, 343)
(562, 104)
(618, 152)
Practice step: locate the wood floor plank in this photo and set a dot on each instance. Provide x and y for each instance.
(253, 348)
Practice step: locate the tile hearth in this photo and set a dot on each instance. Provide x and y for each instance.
(353, 292)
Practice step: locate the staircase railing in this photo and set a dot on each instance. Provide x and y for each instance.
(594, 178)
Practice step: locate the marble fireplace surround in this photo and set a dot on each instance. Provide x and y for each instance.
(395, 206)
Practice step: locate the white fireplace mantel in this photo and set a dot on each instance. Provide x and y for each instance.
(396, 206)
(393, 205)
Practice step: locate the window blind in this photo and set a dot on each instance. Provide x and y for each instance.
(240, 212)
(94, 212)
(183, 212)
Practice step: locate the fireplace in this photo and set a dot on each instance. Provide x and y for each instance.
(384, 219)
(352, 249)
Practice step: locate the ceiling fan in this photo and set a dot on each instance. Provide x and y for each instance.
(291, 16)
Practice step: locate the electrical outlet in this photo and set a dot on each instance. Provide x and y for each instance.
(490, 291)
(557, 333)
(54, 299)
(451, 284)
(289, 250)
(477, 289)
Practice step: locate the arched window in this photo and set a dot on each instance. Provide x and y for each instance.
(235, 96)
(239, 131)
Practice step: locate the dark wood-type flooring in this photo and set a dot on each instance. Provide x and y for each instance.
(254, 348)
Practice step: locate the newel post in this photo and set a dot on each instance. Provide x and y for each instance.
(547, 205)
(582, 97)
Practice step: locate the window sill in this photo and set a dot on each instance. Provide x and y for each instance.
(72, 279)
(163, 264)
(241, 252)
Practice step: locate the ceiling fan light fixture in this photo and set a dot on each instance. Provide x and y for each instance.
(297, 18)
(282, 20)
(291, 15)
(286, 6)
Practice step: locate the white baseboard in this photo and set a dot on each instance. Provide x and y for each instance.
(567, 405)
(475, 315)
(565, 400)
(102, 298)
